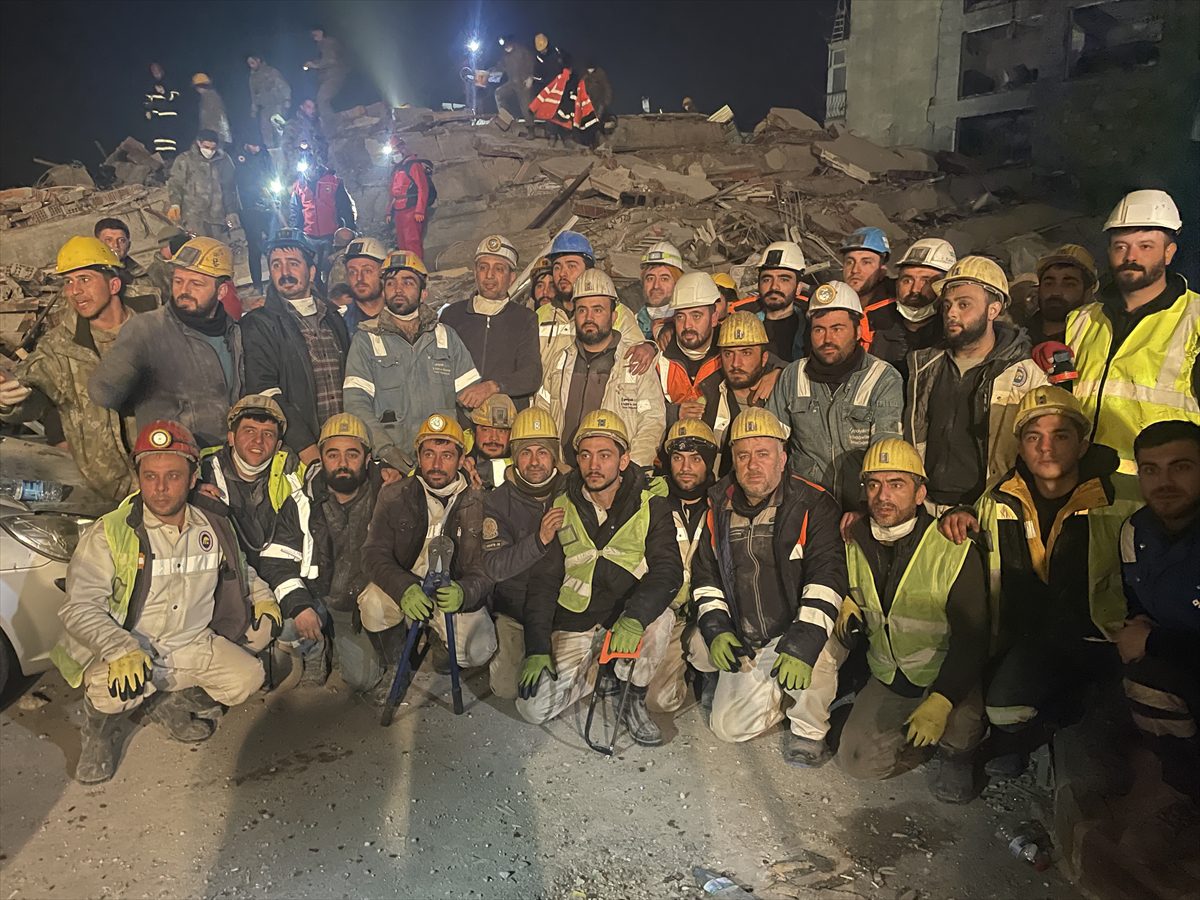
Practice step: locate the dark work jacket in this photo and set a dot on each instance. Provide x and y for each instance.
(504, 347)
(511, 545)
(336, 549)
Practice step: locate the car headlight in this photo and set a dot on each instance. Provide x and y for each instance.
(51, 534)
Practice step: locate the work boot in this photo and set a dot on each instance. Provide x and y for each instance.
(804, 753)
(642, 728)
(196, 701)
(607, 684)
(99, 740)
(316, 667)
(172, 711)
(952, 777)
(1006, 766)
(708, 690)
(439, 656)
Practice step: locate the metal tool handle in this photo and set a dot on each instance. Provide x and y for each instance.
(403, 675)
(452, 650)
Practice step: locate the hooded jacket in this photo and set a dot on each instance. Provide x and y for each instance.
(205, 190)
(339, 534)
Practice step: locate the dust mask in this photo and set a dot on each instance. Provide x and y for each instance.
(208, 154)
(920, 314)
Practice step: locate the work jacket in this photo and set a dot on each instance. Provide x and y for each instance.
(339, 532)
(213, 116)
(410, 186)
(504, 346)
(511, 545)
(205, 190)
(270, 93)
(677, 385)
(556, 330)
(321, 206)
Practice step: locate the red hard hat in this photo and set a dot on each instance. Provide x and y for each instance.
(1057, 360)
(165, 436)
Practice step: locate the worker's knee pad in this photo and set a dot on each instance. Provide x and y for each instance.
(1011, 718)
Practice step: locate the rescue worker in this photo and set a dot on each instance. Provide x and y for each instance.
(202, 188)
(1052, 556)
(331, 71)
(182, 361)
(692, 356)
(838, 400)
(768, 584)
(320, 206)
(542, 282)
(729, 294)
(335, 263)
(921, 601)
(404, 365)
(588, 374)
(438, 500)
(614, 568)
(364, 273)
(548, 62)
(1066, 281)
(918, 320)
(780, 300)
(270, 97)
(519, 525)
(212, 109)
(516, 93)
(296, 344)
(489, 457)
(865, 253)
(410, 198)
(501, 335)
(1136, 346)
(255, 173)
(963, 396)
(260, 486)
(177, 638)
(162, 112)
(1160, 641)
(56, 373)
(115, 233)
(662, 267)
(302, 132)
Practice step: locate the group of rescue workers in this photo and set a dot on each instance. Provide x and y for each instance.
(734, 494)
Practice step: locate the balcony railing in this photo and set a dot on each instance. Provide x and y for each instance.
(835, 106)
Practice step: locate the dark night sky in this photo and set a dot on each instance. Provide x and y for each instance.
(64, 87)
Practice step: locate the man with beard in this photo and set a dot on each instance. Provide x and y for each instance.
(182, 361)
(587, 374)
(691, 358)
(501, 335)
(437, 501)
(662, 267)
(838, 400)
(176, 638)
(614, 568)
(296, 344)
(519, 525)
(489, 458)
(963, 397)
(1066, 278)
(780, 300)
(364, 273)
(202, 188)
(865, 254)
(1136, 346)
(404, 365)
(926, 643)
(56, 373)
(542, 282)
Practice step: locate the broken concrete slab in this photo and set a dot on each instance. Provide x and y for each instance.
(566, 168)
(915, 200)
(782, 118)
(695, 189)
(611, 183)
(668, 130)
(868, 162)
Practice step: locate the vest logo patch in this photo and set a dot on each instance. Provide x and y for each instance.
(490, 529)
(206, 541)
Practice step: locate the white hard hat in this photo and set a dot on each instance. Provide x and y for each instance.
(664, 253)
(1145, 209)
(783, 255)
(366, 247)
(694, 289)
(497, 245)
(834, 295)
(594, 283)
(932, 252)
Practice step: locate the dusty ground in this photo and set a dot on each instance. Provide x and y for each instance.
(306, 795)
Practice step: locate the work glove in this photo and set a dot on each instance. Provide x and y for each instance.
(450, 597)
(531, 674)
(174, 213)
(725, 650)
(271, 610)
(851, 615)
(128, 674)
(415, 604)
(792, 674)
(928, 721)
(13, 393)
(626, 633)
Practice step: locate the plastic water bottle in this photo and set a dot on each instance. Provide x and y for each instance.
(1027, 841)
(714, 884)
(31, 491)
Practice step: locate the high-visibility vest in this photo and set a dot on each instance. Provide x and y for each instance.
(914, 634)
(866, 333)
(688, 542)
(677, 387)
(1147, 380)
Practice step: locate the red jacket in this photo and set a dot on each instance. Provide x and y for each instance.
(410, 187)
(321, 209)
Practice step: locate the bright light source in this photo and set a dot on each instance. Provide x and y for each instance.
(473, 45)
(302, 167)
(276, 187)
(501, 42)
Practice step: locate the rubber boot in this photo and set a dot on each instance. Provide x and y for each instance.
(642, 728)
(99, 737)
(607, 684)
(804, 753)
(953, 778)
(439, 656)
(1006, 766)
(708, 691)
(316, 666)
(172, 712)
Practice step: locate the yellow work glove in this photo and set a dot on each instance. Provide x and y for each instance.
(927, 723)
(271, 610)
(128, 674)
(849, 614)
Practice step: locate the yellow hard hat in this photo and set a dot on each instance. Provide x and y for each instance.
(259, 404)
(757, 422)
(200, 78)
(742, 329)
(403, 259)
(893, 455)
(975, 270)
(602, 423)
(205, 255)
(534, 424)
(344, 425)
(442, 427)
(497, 411)
(543, 266)
(686, 431)
(85, 253)
(724, 281)
(1048, 400)
(1070, 255)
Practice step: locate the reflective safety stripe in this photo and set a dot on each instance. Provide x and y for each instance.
(465, 380)
(378, 347)
(353, 381)
(715, 604)
(821, 592)
(440, 337)
(280, 551)
(862, 396)
(286, 587)
(187, 565)
(272, 392)
(814, 616)
(687, 550)
(1010, 715)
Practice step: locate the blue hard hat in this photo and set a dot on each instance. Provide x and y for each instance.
(291, 237)
(572, 242)
(867, 239)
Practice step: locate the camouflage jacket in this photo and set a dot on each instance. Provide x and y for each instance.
(269, 91)
(205, 190)
(301, 130)
(212, 115)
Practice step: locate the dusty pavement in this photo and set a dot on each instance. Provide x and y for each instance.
(306, 795)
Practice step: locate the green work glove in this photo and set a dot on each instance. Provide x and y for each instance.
(531, 674)
(450, 597)
(722, 651)
(792, 674)
(415, 604)
(626, 632)
(128, 674)
(927, 723)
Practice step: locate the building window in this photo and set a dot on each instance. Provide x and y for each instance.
(997, 138)
(999, 59)
(1118, 34)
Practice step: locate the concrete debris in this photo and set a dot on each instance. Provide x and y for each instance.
(781, 118)
(867, 162)
(722, 116)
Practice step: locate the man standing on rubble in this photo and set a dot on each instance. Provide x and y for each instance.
(662, 266)
(212, 109)
(364, 273)
(270, 96)
(516, 93)
(182, 361)
(411, 198)
(839, 399)
(202, 188)
(588, 374)
(780, 300)
(501, 335)
(489, 458)
(320, 206)
(1066, 280)
(614, 567)
(255, 172)
(162, 112)
(692, 357)
(115, 233)
(302, 132)
(56, 373)
(331, 69)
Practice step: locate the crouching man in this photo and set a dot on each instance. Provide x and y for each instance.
(162, 611)
(614, 566)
